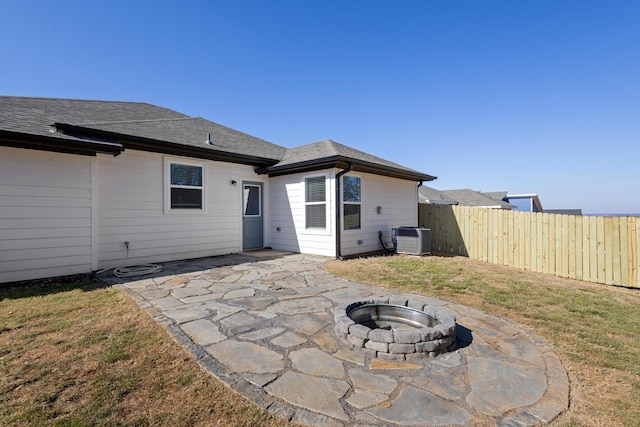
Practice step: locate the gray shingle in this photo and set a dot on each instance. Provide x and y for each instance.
(433, 196)
(327, 151)
(36, 116)
(193, 132)
(467, 197)
(145, 126)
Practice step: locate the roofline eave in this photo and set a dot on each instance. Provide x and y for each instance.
(164, 147)
(59, 145)
(342, 162)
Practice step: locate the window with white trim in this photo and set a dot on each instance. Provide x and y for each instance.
(351, 202)
(186, 186)
(315, 200)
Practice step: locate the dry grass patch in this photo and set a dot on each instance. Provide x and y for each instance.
(78, 355)
(593, 328)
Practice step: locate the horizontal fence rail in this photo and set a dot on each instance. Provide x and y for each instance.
(591, 248)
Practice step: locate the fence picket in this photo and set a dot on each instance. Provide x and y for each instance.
(571, 249)
(593, 249)
(616, 272)
(624, 250)
(633, 251)
(564, 248)
(546, 249)
(577, 249)
(608, 251)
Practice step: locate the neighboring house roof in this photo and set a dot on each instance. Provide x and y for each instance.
(577, 212)
(89, 127)
(328, 153)
(498, 195)
(534, 199)
(434, 197)
(467, 197)
(464, 197)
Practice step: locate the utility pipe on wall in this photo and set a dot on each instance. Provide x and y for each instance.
(338, 205)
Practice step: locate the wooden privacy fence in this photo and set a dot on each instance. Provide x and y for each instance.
(590, 248)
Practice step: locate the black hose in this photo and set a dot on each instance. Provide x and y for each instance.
(384, 245)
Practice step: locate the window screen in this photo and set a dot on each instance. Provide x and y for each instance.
(186, 186)
(315, 189)
(315, 202)
(352, 202)
(351, 217)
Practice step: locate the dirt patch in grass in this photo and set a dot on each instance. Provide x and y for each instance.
(593, 328)
(77, 354)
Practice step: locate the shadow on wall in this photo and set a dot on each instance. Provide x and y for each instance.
(282, 229)
(445, 230)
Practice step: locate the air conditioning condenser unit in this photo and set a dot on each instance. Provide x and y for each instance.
(411, 240)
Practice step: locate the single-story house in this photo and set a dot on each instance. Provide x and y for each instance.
(88, 185)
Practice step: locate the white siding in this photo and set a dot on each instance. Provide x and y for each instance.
(45, 214)
(397, 199)
(131, 209)
(399, 203)
(287, 212)
(64, 214)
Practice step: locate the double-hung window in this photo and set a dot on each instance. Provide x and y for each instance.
(315, 200)
(186, 186)
(351, 202)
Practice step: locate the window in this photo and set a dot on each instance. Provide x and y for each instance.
(315, 202)
(252, 201)
(352, 201)
(186, 186)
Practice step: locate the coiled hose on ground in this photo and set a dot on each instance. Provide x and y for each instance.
(135, 270)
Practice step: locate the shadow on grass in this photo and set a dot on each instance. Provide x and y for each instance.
(50, 286)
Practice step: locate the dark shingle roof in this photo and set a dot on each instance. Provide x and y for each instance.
(434, 197)
(467, 197)
(23, 117)
(128, 124)
(36, 115)
(498, 195)
(328, 153)
(193, 132)
(87, 127)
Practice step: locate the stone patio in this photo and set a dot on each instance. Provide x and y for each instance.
(263, 323)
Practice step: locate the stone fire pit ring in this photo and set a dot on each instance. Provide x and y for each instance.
(396, 329)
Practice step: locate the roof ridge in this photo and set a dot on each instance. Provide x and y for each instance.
(140, 121)
(331, 145)
(104, 101)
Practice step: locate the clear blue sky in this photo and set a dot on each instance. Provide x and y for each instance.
(525, 96)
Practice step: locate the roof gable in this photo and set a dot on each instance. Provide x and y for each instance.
(328, 153)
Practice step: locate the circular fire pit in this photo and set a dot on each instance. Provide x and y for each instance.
(396, 328)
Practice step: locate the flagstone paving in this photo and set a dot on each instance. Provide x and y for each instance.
(263, 323)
